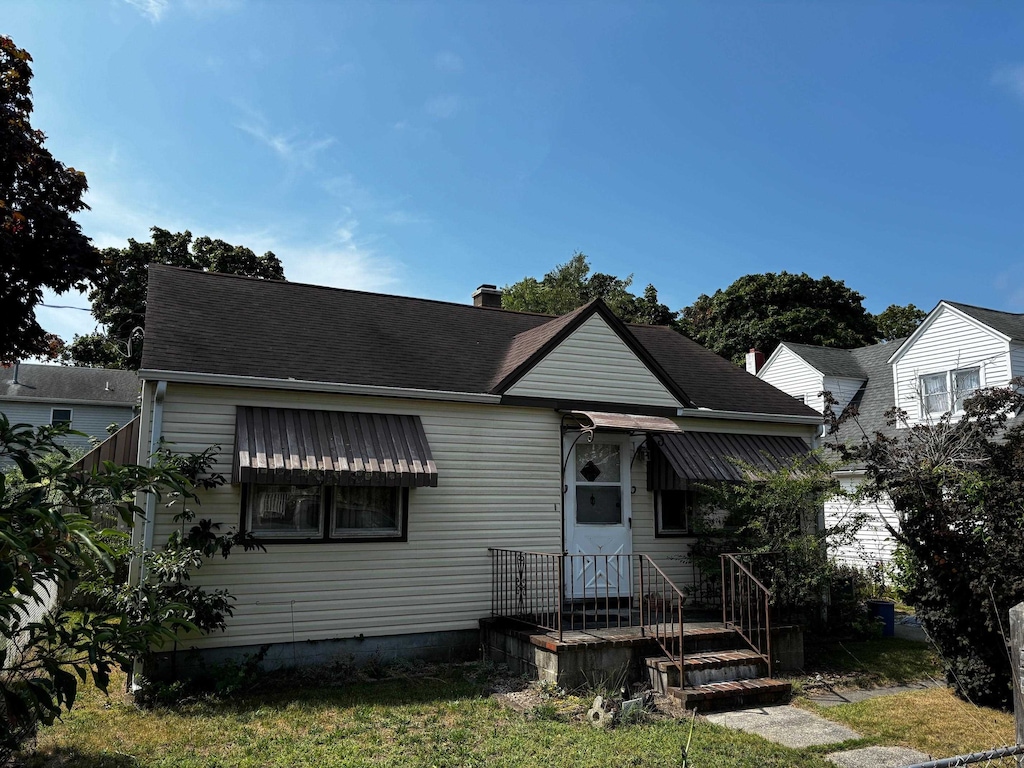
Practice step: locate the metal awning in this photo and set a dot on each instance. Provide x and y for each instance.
(713, 456)
(295, 446)
(627, 422)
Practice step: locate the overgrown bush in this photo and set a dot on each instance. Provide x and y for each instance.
(957, 486)
(51, 536)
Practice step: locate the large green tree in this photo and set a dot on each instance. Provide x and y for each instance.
(898, 322)
(118, 292)
(572, 285)
(759, 311)
(41, 246)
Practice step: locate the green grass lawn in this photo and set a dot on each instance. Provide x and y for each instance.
(873, 663)
(440, 721)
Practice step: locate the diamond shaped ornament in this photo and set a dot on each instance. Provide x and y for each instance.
(590, 471)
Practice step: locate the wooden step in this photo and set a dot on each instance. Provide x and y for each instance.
(702, 668)
(733, 694)
(703, 639)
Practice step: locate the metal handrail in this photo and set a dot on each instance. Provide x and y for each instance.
(746, 606)
(560, 591)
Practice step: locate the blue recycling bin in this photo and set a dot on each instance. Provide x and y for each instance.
(886, 611)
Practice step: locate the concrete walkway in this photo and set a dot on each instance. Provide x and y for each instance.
(835, 698)
(797, 728)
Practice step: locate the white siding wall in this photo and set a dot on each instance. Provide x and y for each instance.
(90, 419)
(794, 377)
(499, 485)
(843, 390)
(950, 341)
(594, 364)
(1016, 360)
(873, 543)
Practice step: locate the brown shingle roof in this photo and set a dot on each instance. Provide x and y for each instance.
(230, 325)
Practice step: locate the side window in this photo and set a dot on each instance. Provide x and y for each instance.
(60, 417)
(673, 513)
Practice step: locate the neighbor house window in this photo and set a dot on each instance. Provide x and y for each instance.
(941, 392)
(326, 513)
(673, 513)
(60, 417)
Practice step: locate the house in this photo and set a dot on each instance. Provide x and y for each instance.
(391, 451)
(956, 350)
(88, 400)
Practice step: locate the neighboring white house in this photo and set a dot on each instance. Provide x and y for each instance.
(956, 350)
(87, 399)
(380, 445)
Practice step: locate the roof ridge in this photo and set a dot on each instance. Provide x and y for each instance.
(334, 288)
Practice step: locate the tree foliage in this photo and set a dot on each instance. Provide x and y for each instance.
(571, 285)
(118, 290)
(58, 529)
(41, 246)
(898, 322)
(957, 486)
(759, 311)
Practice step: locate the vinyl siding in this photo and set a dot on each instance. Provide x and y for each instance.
(873, 543)
(594, 364)
(1016, 360)
(499, 485)
(793, 376)
(949, 341)
(90, 419)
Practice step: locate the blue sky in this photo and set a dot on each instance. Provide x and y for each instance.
(425, 148)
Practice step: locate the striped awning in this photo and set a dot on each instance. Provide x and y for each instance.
(713, 456)
(301, 447)
(625, 422)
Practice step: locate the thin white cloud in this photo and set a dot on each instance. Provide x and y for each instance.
(293, 149)
(1011, 78)
(154, 10)
(444, 107)
(446, 61)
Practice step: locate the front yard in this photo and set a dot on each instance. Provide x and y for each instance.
(449, 717)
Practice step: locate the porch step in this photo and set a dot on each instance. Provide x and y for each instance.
(715, 638)
(733, 694)
(703, 668)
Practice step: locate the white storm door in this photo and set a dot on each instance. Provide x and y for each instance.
(597, 518)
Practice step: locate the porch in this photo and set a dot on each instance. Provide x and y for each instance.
(600, 620)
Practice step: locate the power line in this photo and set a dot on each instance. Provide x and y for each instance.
(66, 306)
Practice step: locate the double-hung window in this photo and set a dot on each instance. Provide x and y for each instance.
(947, 391)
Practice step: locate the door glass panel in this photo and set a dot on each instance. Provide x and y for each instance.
(597, 462)
(598, 504)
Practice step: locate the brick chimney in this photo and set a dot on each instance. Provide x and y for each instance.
(487, 296)
(755, 359)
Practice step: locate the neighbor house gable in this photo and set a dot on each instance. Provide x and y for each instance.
(592, 358)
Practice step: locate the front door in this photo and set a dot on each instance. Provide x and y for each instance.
(597, 517)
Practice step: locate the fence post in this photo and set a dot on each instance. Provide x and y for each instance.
(1017, 657)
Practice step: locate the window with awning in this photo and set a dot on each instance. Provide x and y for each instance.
(683, 457)
(314, 475)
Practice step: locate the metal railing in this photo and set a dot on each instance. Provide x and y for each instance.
(566, 593)
(746, 606)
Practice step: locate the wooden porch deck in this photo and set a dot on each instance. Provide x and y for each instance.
(610, 636)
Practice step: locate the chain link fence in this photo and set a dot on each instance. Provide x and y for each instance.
(1000, 757)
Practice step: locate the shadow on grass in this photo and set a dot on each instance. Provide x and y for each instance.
(281, 693)
(889, 660)
(70, 756)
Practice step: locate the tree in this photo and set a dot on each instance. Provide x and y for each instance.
(898, 322)
(41, 246)
(957, 486)
(759, 311)
(118, 292)
(52, 520)
(571, 285)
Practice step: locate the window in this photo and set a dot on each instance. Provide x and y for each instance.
(60, 417)
(598, 484)
(353, 513)
(936, 389)
(673, 511)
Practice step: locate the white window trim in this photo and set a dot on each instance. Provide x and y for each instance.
(70, 419)
(951, 397)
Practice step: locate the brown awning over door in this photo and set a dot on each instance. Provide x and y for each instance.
(711, 456)
(303, 447)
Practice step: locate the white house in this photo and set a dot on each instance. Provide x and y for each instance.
(956, 350)
(382, 445)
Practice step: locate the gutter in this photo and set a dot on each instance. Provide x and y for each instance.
(304, 385)
(65, 401)
(776, 418)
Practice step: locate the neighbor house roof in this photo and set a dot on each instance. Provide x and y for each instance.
(1007, 323)
(875, 396)
(828, 361)
(57, 383)
(228, 325)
